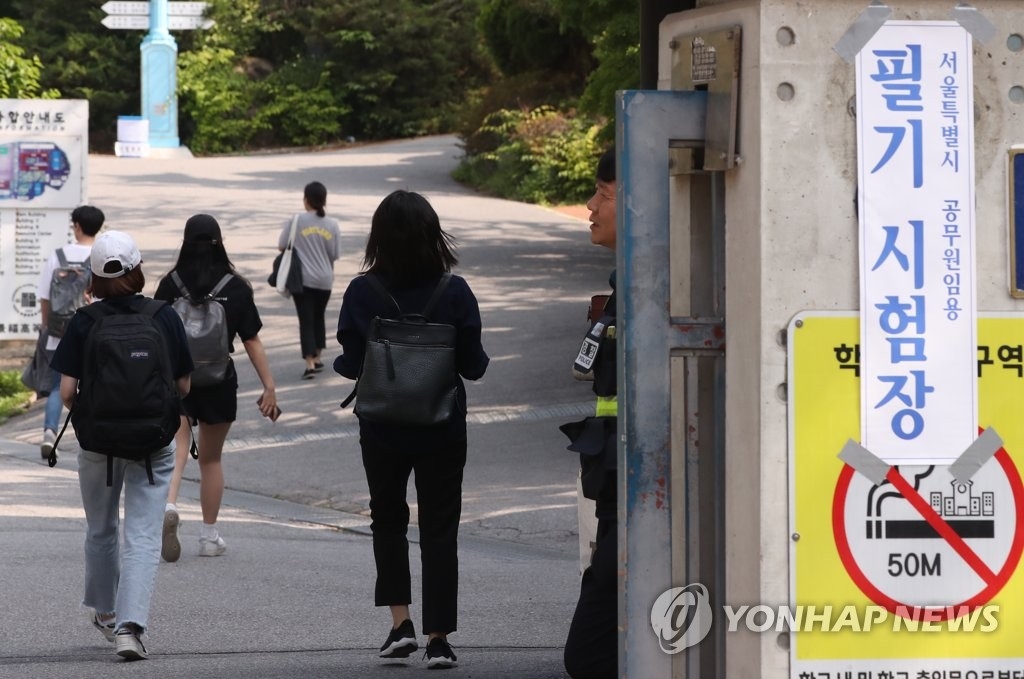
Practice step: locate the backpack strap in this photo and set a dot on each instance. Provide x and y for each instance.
(52, 459)
(181, 286)
(441, 285)
(151, 307)
(225, 279)
(381, 291)
(63, 262)
(110, 470)
(97, 310)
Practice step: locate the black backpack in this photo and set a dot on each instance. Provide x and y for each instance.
(127, 404)
(408, 376)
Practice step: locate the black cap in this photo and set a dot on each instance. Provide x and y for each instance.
(202, 228)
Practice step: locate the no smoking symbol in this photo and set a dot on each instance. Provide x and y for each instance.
(946, 539)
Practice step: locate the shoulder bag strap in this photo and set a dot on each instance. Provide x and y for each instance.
(291, 236)
(62, 259)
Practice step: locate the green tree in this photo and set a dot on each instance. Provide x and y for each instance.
(400, 67)
(19, 74)
(615, 27)
(527, 36)
(85, 60)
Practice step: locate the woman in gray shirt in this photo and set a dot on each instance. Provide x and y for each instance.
(318, 245)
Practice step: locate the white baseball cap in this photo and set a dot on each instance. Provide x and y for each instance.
(110, 248)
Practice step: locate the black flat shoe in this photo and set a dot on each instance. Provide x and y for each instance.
(309, 374)
(318, 366)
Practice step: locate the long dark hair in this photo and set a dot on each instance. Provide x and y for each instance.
(202, 260)
(407, 243)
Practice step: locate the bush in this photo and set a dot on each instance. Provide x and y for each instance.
(220, 100)
(14, 396)
(537, 155)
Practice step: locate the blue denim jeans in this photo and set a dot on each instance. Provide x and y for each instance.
(116, 579)
(51, 415)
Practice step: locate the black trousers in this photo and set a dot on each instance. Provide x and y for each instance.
(592, 647)
(311, 305)
(438, 477)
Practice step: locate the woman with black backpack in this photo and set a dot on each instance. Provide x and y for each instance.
(203, 273)
(124, 364)
(409, 255)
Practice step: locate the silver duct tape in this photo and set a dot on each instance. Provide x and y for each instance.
(974, 22)
(976, 455)
(862, 30)
(864, 461)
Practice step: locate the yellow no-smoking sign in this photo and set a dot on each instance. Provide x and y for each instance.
(911, 571)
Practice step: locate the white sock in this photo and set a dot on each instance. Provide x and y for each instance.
(170, 506)
(208, 531)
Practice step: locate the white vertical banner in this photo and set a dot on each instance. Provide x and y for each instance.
(915, 137)
(44, 147)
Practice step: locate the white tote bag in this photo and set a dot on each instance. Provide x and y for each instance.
(286, 262)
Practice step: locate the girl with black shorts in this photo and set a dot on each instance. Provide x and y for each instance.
(202, 262)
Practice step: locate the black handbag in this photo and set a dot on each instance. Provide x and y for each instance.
(37, 375)
(409, 376)
(293, 283)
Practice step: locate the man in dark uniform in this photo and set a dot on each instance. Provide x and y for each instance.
(591, 649)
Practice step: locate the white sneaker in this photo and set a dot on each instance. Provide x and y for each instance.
(49, 438)
(128, 642)
(212, 546)
(106, 628)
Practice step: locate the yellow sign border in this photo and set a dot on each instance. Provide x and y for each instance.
(824, 412)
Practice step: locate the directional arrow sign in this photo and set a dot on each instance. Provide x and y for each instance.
(141, 23)
(187, 23)
(190, 9)
(126, 8)
(131, 22)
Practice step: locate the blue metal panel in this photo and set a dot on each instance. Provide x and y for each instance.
(646, 121)
(1017, 223)
(160, 79)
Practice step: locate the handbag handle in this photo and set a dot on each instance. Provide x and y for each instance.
(291, 236)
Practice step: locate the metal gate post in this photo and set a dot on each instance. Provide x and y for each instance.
(647, 124)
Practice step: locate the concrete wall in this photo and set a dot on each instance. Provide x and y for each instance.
(792, 241)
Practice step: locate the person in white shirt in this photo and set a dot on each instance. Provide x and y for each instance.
(86, 222)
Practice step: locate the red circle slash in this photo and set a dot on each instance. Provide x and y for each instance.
(994, 580)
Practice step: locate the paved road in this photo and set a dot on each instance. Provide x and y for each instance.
(533, 271)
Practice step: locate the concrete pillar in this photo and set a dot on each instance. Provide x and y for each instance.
(792, 243)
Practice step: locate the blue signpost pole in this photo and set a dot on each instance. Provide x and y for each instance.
(160, 79)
